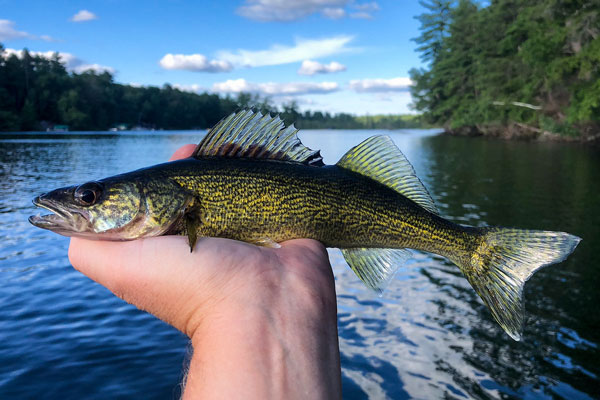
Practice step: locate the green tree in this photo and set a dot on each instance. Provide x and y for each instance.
(38, 92)
(529, 64)
(435, 26)
(70, 111)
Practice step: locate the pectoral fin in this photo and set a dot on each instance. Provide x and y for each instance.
(191, 227)
(192, 218)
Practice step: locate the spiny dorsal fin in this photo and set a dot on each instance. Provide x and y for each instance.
(375, 267)
(380, 159)
(246, 134)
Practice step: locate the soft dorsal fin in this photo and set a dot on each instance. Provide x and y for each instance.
(247, 134)
(380, 159)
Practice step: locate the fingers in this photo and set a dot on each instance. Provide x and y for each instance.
(308, 259)
(304, 251)
(183, 152)
(311, 245)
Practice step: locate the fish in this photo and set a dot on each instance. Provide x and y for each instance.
(251, 179)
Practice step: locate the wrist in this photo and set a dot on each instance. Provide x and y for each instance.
(278, 294)
(278, 340)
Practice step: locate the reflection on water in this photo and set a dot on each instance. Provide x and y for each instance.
(429, 336)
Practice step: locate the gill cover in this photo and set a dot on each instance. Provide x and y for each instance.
(115, 207)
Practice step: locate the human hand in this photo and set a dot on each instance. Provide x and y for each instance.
(264, 319)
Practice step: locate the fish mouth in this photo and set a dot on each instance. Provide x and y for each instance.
(61, 220)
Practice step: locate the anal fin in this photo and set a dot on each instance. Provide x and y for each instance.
(375, 267)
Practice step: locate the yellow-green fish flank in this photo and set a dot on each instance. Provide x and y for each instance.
(252, 200)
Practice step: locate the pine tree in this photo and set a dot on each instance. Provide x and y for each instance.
(533, 64)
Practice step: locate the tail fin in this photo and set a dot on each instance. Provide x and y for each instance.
(504, 260)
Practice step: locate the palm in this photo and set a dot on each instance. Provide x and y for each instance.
(160, 274)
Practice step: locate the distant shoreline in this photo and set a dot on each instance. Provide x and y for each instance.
(522, 132)
(192, 130)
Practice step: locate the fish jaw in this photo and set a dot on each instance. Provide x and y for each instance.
(63, 220)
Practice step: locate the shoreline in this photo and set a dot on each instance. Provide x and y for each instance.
(523, 132)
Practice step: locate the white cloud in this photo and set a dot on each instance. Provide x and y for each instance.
(364, 10)
(366, 7)
(72, 63)
(381, 85)
(303, 49)
(275, 88)
(193, 88)
(334, 13)
(289, 10)
(348, 101)
(84, 15)
(8, 32)
(292, 10)
(194, 62)
(97, 68)
(310, 67)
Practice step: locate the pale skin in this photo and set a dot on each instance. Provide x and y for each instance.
(262, 321)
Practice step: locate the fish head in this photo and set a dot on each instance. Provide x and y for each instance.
(109, 209)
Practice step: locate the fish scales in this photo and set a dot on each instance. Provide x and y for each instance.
(251, 179)
(281, 201)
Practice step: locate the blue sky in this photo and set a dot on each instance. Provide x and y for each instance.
(331, 55)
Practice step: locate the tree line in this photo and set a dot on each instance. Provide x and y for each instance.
(37, 93)
(510, 67)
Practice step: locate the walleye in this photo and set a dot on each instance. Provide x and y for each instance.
(251, 179)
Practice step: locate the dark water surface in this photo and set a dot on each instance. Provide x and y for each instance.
(429, 336)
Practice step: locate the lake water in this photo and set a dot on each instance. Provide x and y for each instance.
(429, 336)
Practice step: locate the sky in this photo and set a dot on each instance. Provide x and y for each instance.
(350, 56)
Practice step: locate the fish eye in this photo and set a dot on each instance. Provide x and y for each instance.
(88, 193)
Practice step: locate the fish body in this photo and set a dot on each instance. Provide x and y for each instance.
(251, 179)
(252, 200)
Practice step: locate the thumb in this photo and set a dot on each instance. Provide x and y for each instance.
(183, 152)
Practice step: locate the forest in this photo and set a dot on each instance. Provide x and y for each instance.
(38, 93)
(523, 68)
(510, 68)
